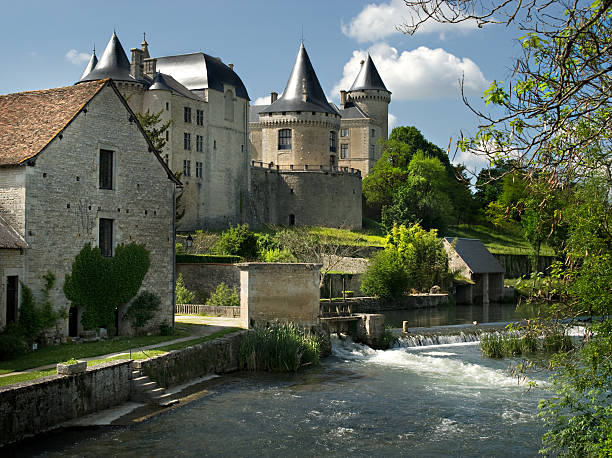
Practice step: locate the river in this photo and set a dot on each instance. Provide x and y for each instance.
(440, 400)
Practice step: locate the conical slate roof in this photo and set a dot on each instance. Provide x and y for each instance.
(368, 77)
(113, 64)
(303, 77)
(162, 82)
(93, 61)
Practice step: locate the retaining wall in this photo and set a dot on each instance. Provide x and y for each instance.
(376, 304)
(216, 356)
(32, 407)
(203, 279)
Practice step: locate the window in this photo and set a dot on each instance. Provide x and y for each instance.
(214, 144)
(187, 141)
(291, 219)
(187, 114)
(200, 117)
(198, 169)
(372, 150)
(344, 133)
(106, 169)
(199, 143)
(12, 298)
(229, 106)
(372, 132)
(332, 160)
(343, 150)
(186, 168)
(105, 236)
(167, 135)
(167, 106)
(332, 141)
(284, 139)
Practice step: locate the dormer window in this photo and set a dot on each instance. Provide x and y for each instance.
(284, 139)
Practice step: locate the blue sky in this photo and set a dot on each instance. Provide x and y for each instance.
(45, 44)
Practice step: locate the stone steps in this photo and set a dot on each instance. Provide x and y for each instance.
(144, 389)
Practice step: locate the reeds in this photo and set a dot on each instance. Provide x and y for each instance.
(511, 345)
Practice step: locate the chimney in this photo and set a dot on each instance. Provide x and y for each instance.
(304, 91)
(150, 67)
(231, 66)
(273, 97)
(342, 99)
(136, 65)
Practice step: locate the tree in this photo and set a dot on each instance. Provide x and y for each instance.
(155, 128)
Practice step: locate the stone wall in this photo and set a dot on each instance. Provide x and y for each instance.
(517, 265)
(29, 408)
(314, 198)
(279, 291)
(12, 263)
(203, 279)
(376, 305)
(216, 356)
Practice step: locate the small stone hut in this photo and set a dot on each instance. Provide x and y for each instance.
(472, 259)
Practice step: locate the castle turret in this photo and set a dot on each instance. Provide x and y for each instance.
(93, 61)
(112, 64)
(300, 127)
(370, 94)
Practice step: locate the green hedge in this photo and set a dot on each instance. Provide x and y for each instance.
(207, 259)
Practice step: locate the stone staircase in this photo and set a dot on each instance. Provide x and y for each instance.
(144, 389)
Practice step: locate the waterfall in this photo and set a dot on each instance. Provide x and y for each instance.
(424, 340)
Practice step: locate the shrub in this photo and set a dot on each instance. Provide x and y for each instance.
(238, 241)
(277, 255)
(182, 294)
(12, 342)
(267, 242)
(165, 329)
(35, 317)
(280, 347)
(224, 296)
(556, 342)
(385, 276)
(203, 241)
(142, 309)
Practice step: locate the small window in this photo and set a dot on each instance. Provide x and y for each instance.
(167, 135)
(343, 151)
(198, 169)
(106, 169)
(187, 114)
(105, 236)
(371, 150)
(344, 133)
(187, 141)
(332, 141)
(199, 143)
(186, 168)
(200, 117)
(292, 220)
(167, 106)
(372, 132)
(214, 144)
(284, 139)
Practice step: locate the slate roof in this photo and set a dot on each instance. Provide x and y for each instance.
(30, 120)
(163, 82)
(351, 111)
(9, 237)
(302, 74)
(254, 111)
(368, 77)
(112, 64)
(93, 61)
(475, 255)
(198, 71)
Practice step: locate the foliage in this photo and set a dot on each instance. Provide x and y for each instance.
(513, 345)
(277, 255)
(237, 241)
(207, 259)
(224, 296)
(102, 284)
(279, 347)
(142, 309)
(422, 253)
(182, 294)
(154, 127)
(166, 330)
(35, 317)
(386, 276)
(12, 342)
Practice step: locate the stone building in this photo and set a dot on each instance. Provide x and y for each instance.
(207, 141)
(77, 167)
(470, 258)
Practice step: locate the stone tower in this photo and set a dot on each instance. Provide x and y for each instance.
(371, 95)
(300, 128)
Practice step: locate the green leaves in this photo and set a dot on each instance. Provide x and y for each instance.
(496, 94)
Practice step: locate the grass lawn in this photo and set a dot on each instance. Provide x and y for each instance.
(497, 241)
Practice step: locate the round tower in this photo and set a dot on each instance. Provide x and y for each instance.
(300, 128)
(371, 95)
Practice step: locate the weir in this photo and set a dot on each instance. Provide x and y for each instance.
(366, 328)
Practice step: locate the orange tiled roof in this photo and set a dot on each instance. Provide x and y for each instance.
(30, 120)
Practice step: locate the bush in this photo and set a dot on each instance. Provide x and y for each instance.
(385, 276)
(279, 347)
(207, 259)
(554, 343)
(277, 255)
(12, 342)
(35, 317)
(224, 296)
(238, 241)
(142, 309)
(181, 293)
(165, 329)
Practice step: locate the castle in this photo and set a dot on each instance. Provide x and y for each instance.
(297, 161)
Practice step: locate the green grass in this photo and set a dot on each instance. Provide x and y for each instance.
(64, 352)
(10, 379)
(506, 241)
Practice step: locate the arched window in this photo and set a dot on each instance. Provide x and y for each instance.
(332, 141)
(284, 139)
(229, 105)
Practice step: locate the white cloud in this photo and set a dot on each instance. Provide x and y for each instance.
(378, 21)
(77, 58)
(261, 101)
(420, 74)
(391, 121)
(473, 161)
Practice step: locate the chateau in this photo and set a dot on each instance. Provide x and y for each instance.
(297, 161)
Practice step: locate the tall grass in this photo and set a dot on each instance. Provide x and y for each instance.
(279, 347)
(511, 345)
